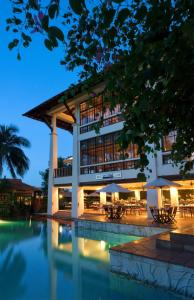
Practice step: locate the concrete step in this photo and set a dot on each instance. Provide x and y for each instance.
(178, 240)
(183, 236)
(164, 242)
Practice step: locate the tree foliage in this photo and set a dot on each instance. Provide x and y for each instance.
(145, 52)
(11, 153)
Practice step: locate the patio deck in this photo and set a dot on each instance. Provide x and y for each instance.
(138, 220)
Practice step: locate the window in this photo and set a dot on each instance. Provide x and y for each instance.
(168, 141)
(105, 149)
(92, 110)
(125, 165)
(166, 159)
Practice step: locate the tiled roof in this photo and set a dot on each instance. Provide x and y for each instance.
(16, 185)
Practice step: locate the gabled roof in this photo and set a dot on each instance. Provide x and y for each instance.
(40, 112)
(12, 185)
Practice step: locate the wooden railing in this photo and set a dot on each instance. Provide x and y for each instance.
(63, 172)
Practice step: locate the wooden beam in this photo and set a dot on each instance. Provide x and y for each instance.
(46, 121)
(69, 111)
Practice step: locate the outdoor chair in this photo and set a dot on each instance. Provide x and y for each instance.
(120, 210)
(168, 214)
(155, 214)
(108, 212)
(164, 216)
(174, 214)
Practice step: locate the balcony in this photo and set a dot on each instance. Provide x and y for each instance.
(63, 172)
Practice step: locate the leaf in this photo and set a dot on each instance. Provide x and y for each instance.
(45, 22)
(77, 6)
(33, 4)
(9, 21)
(13, 44)
(17, 21)
(53, 11)
(48, 44)
(56, 32)
(117, 1)
(19, 56)
(122, 16)
(17, 10)
(108, 18)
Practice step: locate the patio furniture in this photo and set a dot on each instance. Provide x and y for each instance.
(114, 211)
(163, 215)
(175, 208)
(119, 212)
(186, 210)
(108, 211)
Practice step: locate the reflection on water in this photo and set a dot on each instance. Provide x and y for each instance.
(12, 270)
(43, 261)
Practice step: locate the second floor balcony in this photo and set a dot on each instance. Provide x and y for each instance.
(63, 172)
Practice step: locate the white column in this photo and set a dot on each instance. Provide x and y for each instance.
(77, 191)
(153, 196)
(137, 195)
(115, 197)
(102, 198)
(52, 205)
(174, 196)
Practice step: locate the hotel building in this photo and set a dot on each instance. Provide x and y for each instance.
(97, 159)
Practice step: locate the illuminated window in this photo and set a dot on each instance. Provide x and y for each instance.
(104, 149)
(92, 110)
(168, 141)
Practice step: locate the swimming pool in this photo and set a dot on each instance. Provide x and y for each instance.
(50, 261)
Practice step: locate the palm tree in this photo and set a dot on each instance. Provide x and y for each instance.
(11, 153)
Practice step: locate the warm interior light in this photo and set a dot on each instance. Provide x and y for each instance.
(102, 245)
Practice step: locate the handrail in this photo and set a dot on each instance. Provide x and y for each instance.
(63, 172)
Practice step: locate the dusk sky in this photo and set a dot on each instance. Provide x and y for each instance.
(26, 83)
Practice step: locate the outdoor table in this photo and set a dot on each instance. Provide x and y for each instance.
(133, 208)
(112, 211)
(162, 215)
(184, 209)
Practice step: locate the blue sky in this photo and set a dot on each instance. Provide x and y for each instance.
(23, 85)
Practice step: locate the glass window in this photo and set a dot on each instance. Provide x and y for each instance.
(92, 110)
(108, 153)
(166, 159)
(168, 141)
(102, 149)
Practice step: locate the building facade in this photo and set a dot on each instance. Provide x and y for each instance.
(97, 157)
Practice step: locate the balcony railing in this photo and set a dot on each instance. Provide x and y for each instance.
(63, 172)
(109, 167)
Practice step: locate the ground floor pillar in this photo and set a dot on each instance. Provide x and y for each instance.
(102, 198)
(77, 201)
(137, 195)
(115, 197)
(53, 201)
(154, 198)
(174, 196)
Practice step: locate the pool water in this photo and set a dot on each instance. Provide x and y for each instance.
(49, 261)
